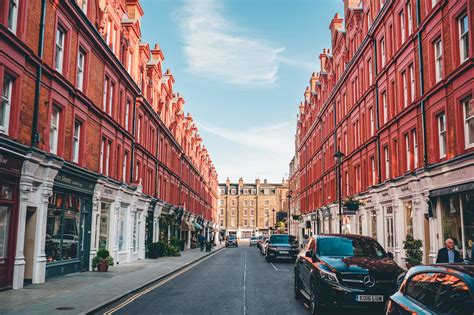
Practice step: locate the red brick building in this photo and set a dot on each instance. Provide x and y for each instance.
(394, 95)
(94, 144)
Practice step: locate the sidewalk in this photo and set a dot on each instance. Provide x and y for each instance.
(84, 291)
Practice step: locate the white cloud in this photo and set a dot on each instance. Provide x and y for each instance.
(263, 152)
(212, 47)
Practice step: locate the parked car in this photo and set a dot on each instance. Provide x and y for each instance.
(261, 241)
(231, 240)
(263, 247)
(253, 241)
(338, 270)
(435, 289)
(281, 246)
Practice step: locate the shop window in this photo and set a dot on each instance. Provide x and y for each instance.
(5, 105)
(438, 54)
(135, 232)
(4, 224)
(122, 231)
(60, 47)
(104, 225)
(464, 38)
(442, 135)
(409, 218)
(373, 223)
(468, 220)
(468, 111)
(390, 229)
(63, 228)
(54, 130)
(13, 15)
(451, 219)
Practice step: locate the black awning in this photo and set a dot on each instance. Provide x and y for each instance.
(452, 190)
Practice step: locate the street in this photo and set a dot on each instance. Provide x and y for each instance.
(234, 281)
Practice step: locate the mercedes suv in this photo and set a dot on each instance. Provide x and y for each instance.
(345, 271)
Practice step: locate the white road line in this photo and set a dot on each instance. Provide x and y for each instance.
(245, 286)
(274, 266)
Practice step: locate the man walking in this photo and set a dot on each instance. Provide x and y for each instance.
(448, 254)
(201, 240)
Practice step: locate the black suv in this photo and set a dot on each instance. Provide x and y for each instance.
(435, 289)
(337, 270)
(281, 246)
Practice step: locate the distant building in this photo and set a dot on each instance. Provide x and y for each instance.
(247, 209)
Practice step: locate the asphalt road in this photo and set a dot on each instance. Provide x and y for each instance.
(234, 281)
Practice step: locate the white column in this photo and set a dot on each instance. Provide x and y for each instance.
(95, 226)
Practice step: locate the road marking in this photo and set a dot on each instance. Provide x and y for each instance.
(274, 266)
(159, 284)
(245, 286)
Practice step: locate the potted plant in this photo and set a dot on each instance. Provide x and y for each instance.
(352, 204)
(102, 260)
(413, 252)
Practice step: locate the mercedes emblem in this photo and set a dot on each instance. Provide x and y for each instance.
(369, 281)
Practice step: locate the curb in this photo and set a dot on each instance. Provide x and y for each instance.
(113, 300)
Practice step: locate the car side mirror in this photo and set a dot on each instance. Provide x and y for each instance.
(390, 255)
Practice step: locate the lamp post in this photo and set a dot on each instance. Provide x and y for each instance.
(274, 219)
(339, 156)
(289, 211)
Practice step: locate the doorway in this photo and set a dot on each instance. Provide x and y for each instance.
(29, 248)
(427, 244)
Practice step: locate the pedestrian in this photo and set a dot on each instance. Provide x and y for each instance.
(201, 240)
(448, 254)
(212, 240)
(220, 239)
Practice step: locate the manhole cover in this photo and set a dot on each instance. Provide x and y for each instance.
(65, 308)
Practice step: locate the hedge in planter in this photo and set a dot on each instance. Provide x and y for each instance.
(413, 251)
(156, 250)
(102, 261)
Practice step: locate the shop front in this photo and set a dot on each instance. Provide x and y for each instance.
(68, 225)
(455, 208)
(10, 168)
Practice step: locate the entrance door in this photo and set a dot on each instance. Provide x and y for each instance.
(390, 242)
(7, 233)
(427, 240)
(85, 233)
(149, 231)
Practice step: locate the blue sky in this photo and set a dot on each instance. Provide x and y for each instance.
(242, 67)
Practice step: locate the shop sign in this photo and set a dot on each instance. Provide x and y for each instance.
(74, 182)
(10, 162)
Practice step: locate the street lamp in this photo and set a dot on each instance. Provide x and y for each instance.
(288, 218)
(274, 219)
(338, 157)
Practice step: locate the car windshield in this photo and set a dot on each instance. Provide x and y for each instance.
(282, 239)
(253, 238)
(346, 247)
(231, 237)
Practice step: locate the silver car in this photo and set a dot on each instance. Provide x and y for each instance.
(253, 241)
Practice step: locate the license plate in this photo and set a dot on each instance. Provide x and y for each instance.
(284, 252)
(369, 298)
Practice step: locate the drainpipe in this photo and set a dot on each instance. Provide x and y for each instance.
(35, 137)
(132, 154)
(377, 116)
(422, 83)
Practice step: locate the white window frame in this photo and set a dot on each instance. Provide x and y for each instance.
(5, 109)
(124, 167)
(415, 149)
(405, 89)
(466, 103)
(60, 43)
(412, 79)
(76, 141)
(104, 96)
(408, 152)
(139, 128)
(372, 163)
(410, 18)
(84, 6)
(442, 135)
(54, 130)
(107, 158)
(463, 38)
(102, 148)
(385, 107)
(402, 24)
(111, 98)
(387, 163)
(438, 54)
(13, 15)
(383, 52)
(372, 121)
(369, 20)
(127, 114)
(80, 69)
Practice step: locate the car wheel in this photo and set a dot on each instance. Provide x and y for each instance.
(314, 302)
(297, 288)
